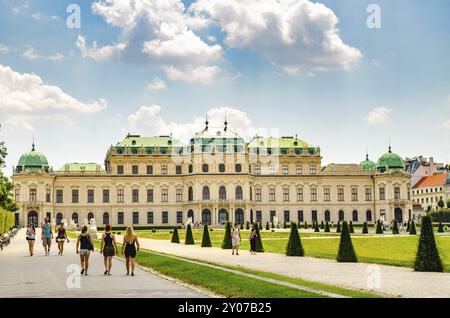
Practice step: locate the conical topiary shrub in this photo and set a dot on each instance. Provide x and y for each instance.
(412, 228)
(267, 226)
(247, 225)
(408, 226)
(440, 228)
(338, 227)
(206, 240)
(175, 236)
(365, 229)
(395, 227)
(259, 245)
(272, 225)
(327, 227)
(260, 226)
(379, 229)
(306, 225)
(241, 226)
(322, 226)
(427, 258)
(346, 252)
(227, 244)
(316, 227)
(189, 237)
(294, 246)
(351, 229)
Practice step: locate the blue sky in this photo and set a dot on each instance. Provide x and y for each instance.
(400, 73)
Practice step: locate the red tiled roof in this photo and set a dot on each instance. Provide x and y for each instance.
(436, 180)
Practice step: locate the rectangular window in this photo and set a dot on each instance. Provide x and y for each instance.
(258, 216)
(298, 169)
(312, 169)
(300, 217)
(149, 217)
(327, 194)
(271, 169)
(32, 195)
(48, 195)
(314, 215)
(135, 195)
(149, 169)
(272, 194)
(258, 169)
(120, 195)
(74, 196)
(17, 195)
(286, 194)
(105, 195)
(258, 194)
(179, 217)
(313, 194)
(340, 194)
(90, 196)
(397, 193)
(287, 217)
(120, 169)
(163, 169)
(285, 169)
(368, 194)
(59, 196)
(299, 194)
(120, 218)
(178, 170)
(272, 215)
(135, 217)
(164, 195)
(179, 194)
(149, 195)
(135, 169)
(354, 194)
(165, 217)
(382, 194)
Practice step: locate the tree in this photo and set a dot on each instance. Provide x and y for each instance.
(427, 258)
(441, 204)
(351, 229)
(395, 227)
(267, 226)
(412, 228)
(365, 229)
(189, 237)
(294, 246)
(175, 236)
(227, 244)
(259, 245)
(6, 187)
(346, 252)
(440, 228)
(327, 227)
(316, 227)
(379, 229)
(206, 240)
(338, 227)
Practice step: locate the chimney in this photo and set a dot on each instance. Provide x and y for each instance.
(431, 160)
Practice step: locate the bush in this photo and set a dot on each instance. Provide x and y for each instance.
(327, 227)
(267, 226)
(395, 227)
(294, 246)
(440, 216)
(322, 226)
(316, 227)
(346, 252)
(272, 225)
(211, 230)
(206, 240)
(260, 226)
(408, 226)
(379, 229)
(338, 227)
(351, 229)
(259, 245)
(427, 258)
(175, 237)
(7, 220)
(227, 244)
(440, 228)
(284, 225)
(241, 226)
(247, 225)
(412, 228)
(365, 229)
(153, 231)
(189, 237)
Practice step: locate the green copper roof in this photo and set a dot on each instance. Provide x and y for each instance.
(390, 160)
(78, 167)
(368, 164)
(33, 159)
(156, 141)
(283, 142)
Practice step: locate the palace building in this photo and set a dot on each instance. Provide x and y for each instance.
(217, 176)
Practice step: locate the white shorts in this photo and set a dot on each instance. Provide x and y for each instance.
(235, 241)
(84, 252)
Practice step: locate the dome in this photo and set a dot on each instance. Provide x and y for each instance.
(33, 159)
(368, 164)
(390, 160)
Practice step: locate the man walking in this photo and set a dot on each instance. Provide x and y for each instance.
(47, 235)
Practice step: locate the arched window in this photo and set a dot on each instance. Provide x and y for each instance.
(355, 216)
(238, 194)
(205, 193)
(221, 167)
(223, 216)
(90, 216)
(327, 216)
(238, 167)
(341, 215)
(191, 215)
(239, 216)
(59, 217)
(75, 218)
(190, 194)
(222, 193)
(206, 217)
(205, 168)
(368, 216)
(106, 218)
(191, 168)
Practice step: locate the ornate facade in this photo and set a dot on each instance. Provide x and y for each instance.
(158, 181)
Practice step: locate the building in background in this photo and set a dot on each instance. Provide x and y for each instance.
(430, 190)
(419, 167)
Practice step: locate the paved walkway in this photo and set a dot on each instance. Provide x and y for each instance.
(390, 280)
(46, 276)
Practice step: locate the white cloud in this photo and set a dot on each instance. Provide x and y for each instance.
(378, 115)
(293, 34)
(202, 74)
(157, 85)
(30, 53)
(4, 49)
(446, 124)
(99, 54)
(212, 38)
(25, 99)
(56, 57)
(41, 16)
(149, 121)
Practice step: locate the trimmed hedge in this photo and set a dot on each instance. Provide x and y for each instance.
(206, 240)
(175, 236)
(346, 252)
(338, 227)
(267, 226)
(412, 228)
(294, 246)
(365, 229)
(322, 226)
(316, 227)
(7, 220)
(351, 229)
(427, 258)
(306, 225)
(227, 243)
(440, 228)
(259, 245)
(327, 227)
(379, 229)
(442, 215)
(395, 228)
(189, 237)
(151, 228)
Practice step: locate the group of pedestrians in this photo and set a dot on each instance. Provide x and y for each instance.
(236, 240)
(85, 245)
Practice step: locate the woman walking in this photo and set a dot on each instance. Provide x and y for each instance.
(130, 241)
(61, 237)
(253, 236)
(85, 244)
(31, 237)
(108, 248)
(235, 238)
